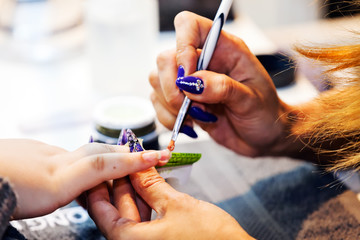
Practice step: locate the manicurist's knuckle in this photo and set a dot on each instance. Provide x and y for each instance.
(160, 58)
(184, 50)
(182, 17)
(153, 97)
(172, 98)
(227, 88)
(150, 180)
(154, 79)
(165, 121)
(163, 58)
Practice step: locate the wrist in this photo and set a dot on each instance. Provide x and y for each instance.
(288, 141)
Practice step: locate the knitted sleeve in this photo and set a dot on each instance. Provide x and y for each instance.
(7, 205)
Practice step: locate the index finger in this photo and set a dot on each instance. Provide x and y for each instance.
(191, 32)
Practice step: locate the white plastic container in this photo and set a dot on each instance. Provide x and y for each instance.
(110, 116)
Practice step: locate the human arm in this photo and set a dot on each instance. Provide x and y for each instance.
(179, 216)
(46, 177)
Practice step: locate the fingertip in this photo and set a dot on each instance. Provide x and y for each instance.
(167, 154)
(150, 156)
(156, 156)
(165, 159)
(162, 163)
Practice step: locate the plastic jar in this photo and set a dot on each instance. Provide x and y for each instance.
(110, 116)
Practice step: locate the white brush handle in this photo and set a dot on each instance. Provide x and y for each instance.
(205, 57)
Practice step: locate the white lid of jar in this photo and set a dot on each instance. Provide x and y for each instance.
(124, 112)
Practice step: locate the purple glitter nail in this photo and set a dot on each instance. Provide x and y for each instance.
(133, 141)
(122, 140)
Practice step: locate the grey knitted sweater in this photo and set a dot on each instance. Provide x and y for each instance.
(7, 205)
(68, 223)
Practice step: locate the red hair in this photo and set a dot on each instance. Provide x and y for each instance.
(336, 115)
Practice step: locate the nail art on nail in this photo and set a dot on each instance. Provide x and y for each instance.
(134, 143)
(190, 84)
(188, 131)
(201, 115)
(122, 140)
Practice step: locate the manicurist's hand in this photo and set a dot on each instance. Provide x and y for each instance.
(235, 100)
(179, 216)
(46, 177)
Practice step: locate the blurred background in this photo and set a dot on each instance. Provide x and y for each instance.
(59, 58)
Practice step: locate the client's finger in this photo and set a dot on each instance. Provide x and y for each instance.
(94, 169)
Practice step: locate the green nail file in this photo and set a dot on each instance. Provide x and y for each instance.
(180, 159)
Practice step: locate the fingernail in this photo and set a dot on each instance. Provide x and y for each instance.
(190, 84)
(181, 72)
(122, 140)
(201, 115)
(138, 147)
(133, 141)
(163, 156)
(188, 131)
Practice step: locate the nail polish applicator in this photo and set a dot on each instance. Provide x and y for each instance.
(203, 62)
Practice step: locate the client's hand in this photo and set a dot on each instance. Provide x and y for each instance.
(45, 177)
